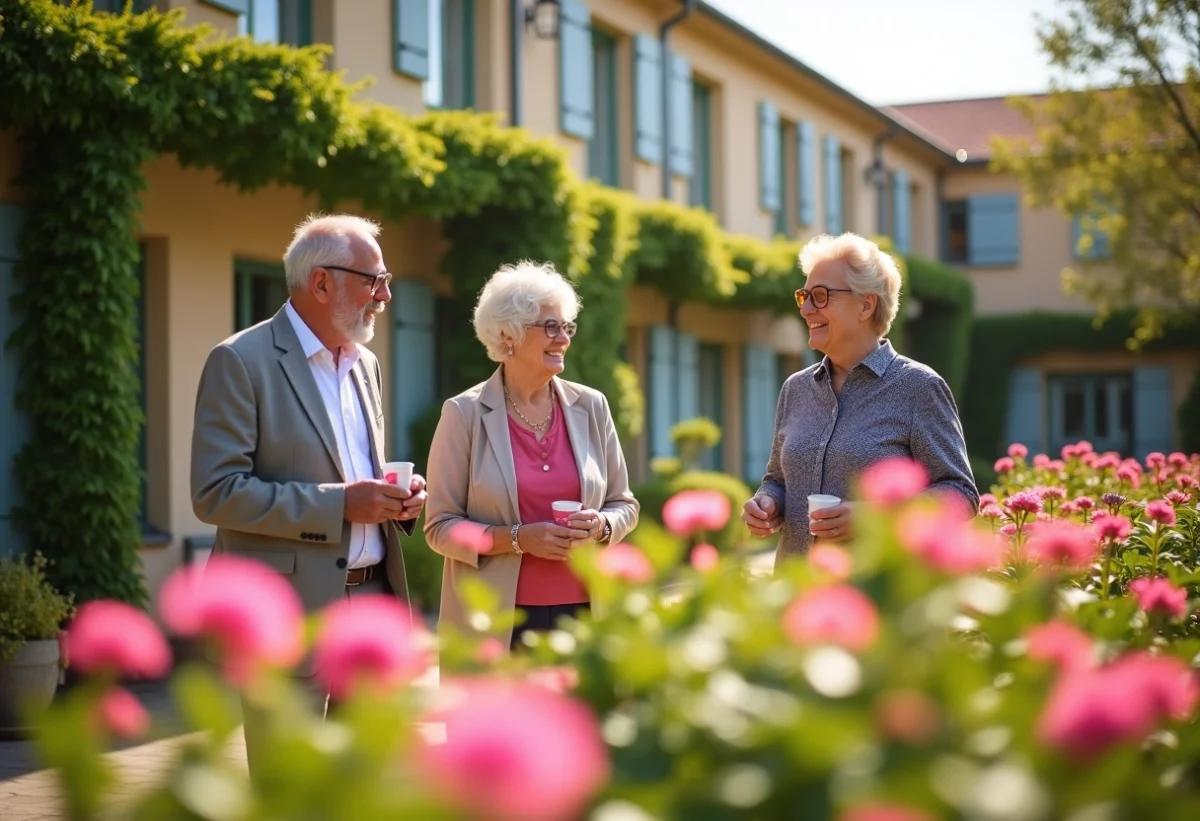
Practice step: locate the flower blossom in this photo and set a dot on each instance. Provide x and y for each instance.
(884, 812)
(893, 481)
(692, 510)
(119, 712)
(1018, 451)
(1003, 465)
(1025, 501)
(1060, 643)
(1179, 498)
(833, 614)
(117, 639)
(831, 560)
(946, 543)
(626, 562)
(1156, 460)
(1112, 528)
(705, 557)
(1177, 460)
(1159, 595)
(1041, 460)
(1062, 543)
(1161, 512)
(367, 639)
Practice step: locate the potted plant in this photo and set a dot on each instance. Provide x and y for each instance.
(31, 614)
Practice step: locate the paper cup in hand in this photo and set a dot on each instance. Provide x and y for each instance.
(818, 501)
(398, 473)
(563, 511)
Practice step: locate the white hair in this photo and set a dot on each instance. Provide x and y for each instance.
(868, 271)
(514, 297)
(323, 240)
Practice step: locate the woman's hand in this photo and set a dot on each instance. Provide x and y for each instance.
(546, 540)
(761, 515)
(833, 524)
(589, 520)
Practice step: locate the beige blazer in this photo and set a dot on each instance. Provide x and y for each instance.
(472, 478)
(265, 464)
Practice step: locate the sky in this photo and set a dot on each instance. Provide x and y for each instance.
(905, 51)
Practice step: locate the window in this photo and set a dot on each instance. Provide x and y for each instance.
(451, 82)
(278, 21)
(1098, 408)
(602, 147)
(983, 230)
(956, 232)
(700, 190)
(261, 292)
(712, 393)
(783, 223)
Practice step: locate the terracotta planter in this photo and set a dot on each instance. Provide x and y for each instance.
(27, 683)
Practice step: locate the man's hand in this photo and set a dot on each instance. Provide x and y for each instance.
(374, 501)
(416, 502)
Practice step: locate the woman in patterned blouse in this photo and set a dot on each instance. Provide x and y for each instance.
(861, 404)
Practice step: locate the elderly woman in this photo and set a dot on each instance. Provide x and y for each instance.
(508, 448)
(861, 404)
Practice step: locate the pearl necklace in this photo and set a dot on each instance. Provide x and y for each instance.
(537, 426)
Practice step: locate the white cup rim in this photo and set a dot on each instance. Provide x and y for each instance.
(398, 464)
(824, 499)
(571, 506)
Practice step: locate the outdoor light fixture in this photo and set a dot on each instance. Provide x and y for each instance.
(875, 174)
(543, 15)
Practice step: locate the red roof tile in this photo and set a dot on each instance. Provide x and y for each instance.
(965, 124)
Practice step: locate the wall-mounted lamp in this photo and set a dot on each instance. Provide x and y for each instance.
(875, 174)
(544, 17)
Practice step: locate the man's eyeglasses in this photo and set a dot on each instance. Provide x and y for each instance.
(819, 295)
(377, 280)
(553, 327)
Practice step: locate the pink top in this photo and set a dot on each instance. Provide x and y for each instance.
(546, 473)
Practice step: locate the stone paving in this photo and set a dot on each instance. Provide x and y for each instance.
(28, 792)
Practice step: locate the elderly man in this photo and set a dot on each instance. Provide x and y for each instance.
(288, 440)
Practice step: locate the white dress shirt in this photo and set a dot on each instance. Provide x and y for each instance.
(345, 410)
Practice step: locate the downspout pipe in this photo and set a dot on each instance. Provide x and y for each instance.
(663, 31)
(880, 179)
(516, 43)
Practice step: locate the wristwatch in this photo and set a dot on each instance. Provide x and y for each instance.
(607, 534)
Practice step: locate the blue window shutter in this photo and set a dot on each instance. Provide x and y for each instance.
(661, 389)
(769, 197)
(14, 427)
(413, 378)
(901, 217)
(576, 90)
(647, 98)
(994, 229)
(1099, 246)
(806, 169)
(834, 223)
(687, 350)
(1024, 422)
(760, 392)
(1153, 411)
(681, 116)
(410, 30)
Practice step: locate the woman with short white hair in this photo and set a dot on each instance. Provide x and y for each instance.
(508, 449)
(861, 404)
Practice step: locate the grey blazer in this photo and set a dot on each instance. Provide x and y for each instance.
(265, 465)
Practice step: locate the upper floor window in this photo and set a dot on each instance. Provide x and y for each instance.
(700, 189)
(273, 21)
(602, 147)
(983, 230)
(451, 81)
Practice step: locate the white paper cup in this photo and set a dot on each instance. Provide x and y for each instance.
(819, 501)
(398, 473)
(563, 511)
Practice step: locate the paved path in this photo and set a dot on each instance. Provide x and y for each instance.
(30, 793)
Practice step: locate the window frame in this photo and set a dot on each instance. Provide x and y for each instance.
(611, 128)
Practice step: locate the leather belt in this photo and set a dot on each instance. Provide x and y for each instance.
(362, 575)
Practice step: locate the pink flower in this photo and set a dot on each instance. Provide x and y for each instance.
(884, 812)
(987, 499)
(1156, 460)
(692, 510)
(624, 561)
(1114, 528)
(1179, 498)
(1056, 466)
(1084, 446)
(831, 560)
(1060, 643)
(471, 536)
(1128, 474)
(1084, 719)
(113, 638)
(1018, 451)
(1025, 501)
(1177, 460)
(516, 752)
(250, 610)
(1003, 465)
(1007, 531)
(947, 544)
(1190, 482)
(1132, 464)
(367, 640)
(1041, 460)
(560, 679)
(893, 481)
(1085, 503)
(1056, 493)
(1062, 543)
(119, 712)
(1161, 512)
(909, 716)
(1160, 595)
(1090, 459)
(1069, 452)
(833, 614)
(1069, 508)
(489, 650)
(705, 557)
(991, 511)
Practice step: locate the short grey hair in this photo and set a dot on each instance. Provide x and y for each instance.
(513, 297)
(869, 270)
(323, 239)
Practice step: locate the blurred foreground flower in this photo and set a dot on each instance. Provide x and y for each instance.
(1062, 544)
(120, 713)
(1160, 596)
(705, 557)
(946, 542)
(690, 511)
(626, 562)
(368, 640)
(893, 481)
(250, 611)
(114, 638)
(516, 752)
(884, 812)
(1060, 643)
(835, 614)
(834, 561)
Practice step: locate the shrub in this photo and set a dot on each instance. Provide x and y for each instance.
(692, 437)
(30, 609)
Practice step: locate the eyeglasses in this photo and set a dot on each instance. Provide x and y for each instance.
(552, 327)
(819, 295)
(377, 280)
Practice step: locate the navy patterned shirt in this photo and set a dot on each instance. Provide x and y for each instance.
(889, 406)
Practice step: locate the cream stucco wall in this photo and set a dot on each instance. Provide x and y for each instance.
(1045, 236)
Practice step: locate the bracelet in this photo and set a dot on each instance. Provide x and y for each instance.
(512, 537)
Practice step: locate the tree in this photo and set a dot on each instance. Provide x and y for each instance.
(1117, 145)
